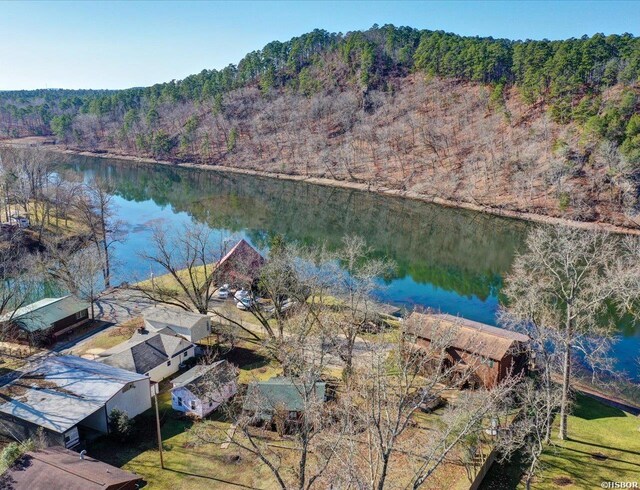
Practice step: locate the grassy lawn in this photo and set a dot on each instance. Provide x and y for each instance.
(187, 465)
(168, 282)
(110, 338)
(594, 429)
(190, 464)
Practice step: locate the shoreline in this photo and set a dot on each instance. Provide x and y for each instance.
(380, 190)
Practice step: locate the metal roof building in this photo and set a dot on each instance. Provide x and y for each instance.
(265, 397)
(59, 393)
(47, 319)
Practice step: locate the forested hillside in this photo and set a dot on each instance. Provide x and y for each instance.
(551, 127)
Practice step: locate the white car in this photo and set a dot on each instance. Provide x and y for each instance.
(245, 303)
(241, 294)
(223, 292)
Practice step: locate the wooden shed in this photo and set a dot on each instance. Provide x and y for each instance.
(493, 353)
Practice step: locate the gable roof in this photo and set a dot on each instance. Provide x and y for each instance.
(39, 469)
(162, 316)
(59, 392)
(221, 369)
(241, 264)
(474, 337)
(142, 353)
(267, 396)
(41, 314)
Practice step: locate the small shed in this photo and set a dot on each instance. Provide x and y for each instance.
(167, 319)
(204, 388)
(57, 467)
(65, 395)
(282, 394)
(49, 318)
(155, 355)
(493, 353)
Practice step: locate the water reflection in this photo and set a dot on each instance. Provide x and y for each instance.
(448, 259)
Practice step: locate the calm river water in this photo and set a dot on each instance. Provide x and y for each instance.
(448, 259)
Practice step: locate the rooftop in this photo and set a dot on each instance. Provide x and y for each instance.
(241, 264)
(281, 391)
(38, 469)
(41, 314)
(143, 352)
(159, 316)
(477, 338)
(59, 392)
(194, 374)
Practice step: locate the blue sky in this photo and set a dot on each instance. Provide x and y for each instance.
(124, 44)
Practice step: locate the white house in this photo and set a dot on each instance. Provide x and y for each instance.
(156, 355)
(204, 388)
(166, 319)
(68, 395)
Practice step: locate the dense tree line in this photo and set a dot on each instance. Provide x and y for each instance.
(330, 97)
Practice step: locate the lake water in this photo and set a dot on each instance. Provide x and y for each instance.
(448, 259)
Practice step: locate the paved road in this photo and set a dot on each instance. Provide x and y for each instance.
(119, 305)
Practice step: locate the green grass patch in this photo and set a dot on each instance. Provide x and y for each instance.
(603, 445)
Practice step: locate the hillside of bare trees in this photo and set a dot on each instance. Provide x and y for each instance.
(546, 127)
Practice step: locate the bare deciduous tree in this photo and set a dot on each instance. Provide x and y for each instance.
(97, 209)
(564, 282)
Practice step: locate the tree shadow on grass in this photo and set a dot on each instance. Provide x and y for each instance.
(243, 358)
(226, 482)
(619, 449)
(588, 408)
(118, 453)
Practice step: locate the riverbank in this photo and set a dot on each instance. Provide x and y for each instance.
(46, 143)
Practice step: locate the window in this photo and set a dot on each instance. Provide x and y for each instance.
(179, 401)
(193, 405)
(81, 314)
(168, 363)
(186, 354)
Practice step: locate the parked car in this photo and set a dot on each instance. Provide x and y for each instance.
(223, 292)
(245, 303)
(241, 294)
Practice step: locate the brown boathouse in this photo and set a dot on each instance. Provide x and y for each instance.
(493, 353)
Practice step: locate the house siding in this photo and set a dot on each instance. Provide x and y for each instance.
(201, 408)
(163, 371)
(489, 372)
(133, 399)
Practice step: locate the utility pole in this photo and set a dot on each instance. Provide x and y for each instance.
(155, 399)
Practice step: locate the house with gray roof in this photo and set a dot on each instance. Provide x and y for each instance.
(48, 318)
(167, 319)
(282, 394)
(204, 388)
(67, 396)
(156, 355)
